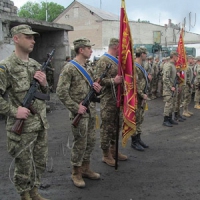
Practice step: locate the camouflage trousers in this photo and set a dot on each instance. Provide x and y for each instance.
(30, 153)
(108, 127)
(187, 95)
(84, 141)
(170, 103)
(139, 117)
(197, 93)
(178, 100)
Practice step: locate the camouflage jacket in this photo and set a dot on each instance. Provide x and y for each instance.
(72, 88)
(15, 79)
(169, 76)
(109, 88)
(189, 75)
(148, 67)
(197, 70)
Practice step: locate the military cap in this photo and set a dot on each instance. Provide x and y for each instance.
(82, 42)
(190, 56)
(23, 28)
(141, 50)
(167, 58)
(173, 53)
(150, 57)
(164, 58)
(197, 58)
(114, 41)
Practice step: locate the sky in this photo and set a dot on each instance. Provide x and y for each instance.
(154, 11)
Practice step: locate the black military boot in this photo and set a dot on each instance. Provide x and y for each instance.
(135, 144)
(172, 121)
(177, 117)
(181, 117)
(141, 142)
(166, 122)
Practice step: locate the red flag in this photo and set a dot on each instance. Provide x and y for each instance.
(181, 63)
(127, 70)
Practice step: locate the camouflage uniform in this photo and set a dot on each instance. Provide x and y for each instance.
(155, 79)
(108, 107)
(197, 84)
(50, 77)
(169, 76)
(72, 89)
(15, 78)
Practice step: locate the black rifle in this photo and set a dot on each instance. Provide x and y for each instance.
(31, 95)
(91, 96)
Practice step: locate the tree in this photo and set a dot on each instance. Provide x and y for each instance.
(38, 10)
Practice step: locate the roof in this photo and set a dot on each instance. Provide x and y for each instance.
(101, 13)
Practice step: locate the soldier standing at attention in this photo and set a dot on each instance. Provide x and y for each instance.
(108, 109)
(188, 88)
(74, 84)
(142, 83)
(197, 83)
(169, 89)
(30, 148)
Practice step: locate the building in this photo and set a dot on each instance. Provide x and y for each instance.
(99, 26)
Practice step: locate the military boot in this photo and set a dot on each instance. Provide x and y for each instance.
(121, 156)
(107, 158)
(135, 144)
(141, 142)
(197, 106)
(172, 121)
(166, 122)
(25, 196)
(77, 177)
(177, 117)
(87, 172)
(190, 113)
(35, 195)
(185, 113)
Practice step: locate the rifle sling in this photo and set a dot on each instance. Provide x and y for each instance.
(42, 96)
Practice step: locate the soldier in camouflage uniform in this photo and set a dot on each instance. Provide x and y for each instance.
(197, 83)
(155, 78)
(108, 103)
(142, 81)
(30, 148)
(72, 89)
(169, 89)
(188, 88)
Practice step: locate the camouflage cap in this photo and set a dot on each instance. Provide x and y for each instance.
(197, 58)
(173, 53)
(190, 56)
(82, 42)
(24, 29)
(141, 50)
(150, 57)
(114, 41)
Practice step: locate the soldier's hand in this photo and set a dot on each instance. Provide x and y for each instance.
(82, 109)
(118, 79)
(149, 77)
(173, 89)
(41, 77)
(144, 96)
(97, 87)
(22, 113)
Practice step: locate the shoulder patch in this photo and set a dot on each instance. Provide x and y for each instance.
(2, 68)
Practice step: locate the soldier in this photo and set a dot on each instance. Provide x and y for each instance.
(108, 109)
(50, 76)
(30, 148)
(149, 70)
(155, 78)
(142, 83)
(188, 88)
(197, 83)
(169, 89)
(74, 84)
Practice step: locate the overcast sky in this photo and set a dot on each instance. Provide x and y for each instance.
(155, 11)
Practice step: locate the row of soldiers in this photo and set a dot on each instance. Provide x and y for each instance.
(170, 82)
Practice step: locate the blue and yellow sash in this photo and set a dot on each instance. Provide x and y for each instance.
(83, 72)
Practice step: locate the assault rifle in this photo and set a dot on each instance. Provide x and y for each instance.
(91, 96)
(31, 95)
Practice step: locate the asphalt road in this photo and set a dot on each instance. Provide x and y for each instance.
(169, 169)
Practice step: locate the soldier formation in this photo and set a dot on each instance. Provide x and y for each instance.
(155, 78)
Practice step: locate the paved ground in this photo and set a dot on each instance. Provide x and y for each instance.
(169, 169)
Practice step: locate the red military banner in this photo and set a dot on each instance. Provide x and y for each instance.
(127, 70)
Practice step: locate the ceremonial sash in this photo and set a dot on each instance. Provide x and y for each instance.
(83, 72)
(112, 58)
(144, 72)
